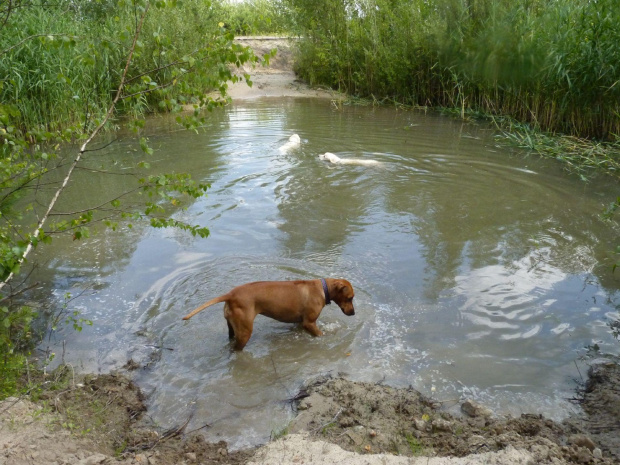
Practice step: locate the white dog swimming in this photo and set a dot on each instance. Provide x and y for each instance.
(336, 160)
(293, 142)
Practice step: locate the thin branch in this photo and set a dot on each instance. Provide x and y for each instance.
(83, 148)
(161, 86)
(34, 36)
(102, 147)
(9, 9)
(72, 228)
(33, 177)
(95, 208)
(21, 291)
(115, 173)
(154, 70)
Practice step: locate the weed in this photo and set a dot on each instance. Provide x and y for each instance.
(120, 448)
(415, 446)
(328, 427)
(277, 434)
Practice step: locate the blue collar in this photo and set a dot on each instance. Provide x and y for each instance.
(327, 299)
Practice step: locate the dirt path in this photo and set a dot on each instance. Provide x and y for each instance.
(278, 79)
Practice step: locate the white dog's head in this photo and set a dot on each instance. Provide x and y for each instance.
(295, 139)
(328, 156)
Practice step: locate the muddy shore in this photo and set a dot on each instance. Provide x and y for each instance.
(88, 419)
(103, 420)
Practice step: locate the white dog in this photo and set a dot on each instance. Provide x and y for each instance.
(336, 160)
(293, 142)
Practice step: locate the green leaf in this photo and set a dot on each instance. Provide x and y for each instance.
(145, 147)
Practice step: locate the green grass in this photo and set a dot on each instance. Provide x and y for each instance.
(279, 433)
(580, 156)
(414, 445)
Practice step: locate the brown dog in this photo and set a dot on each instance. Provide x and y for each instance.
(286, 301)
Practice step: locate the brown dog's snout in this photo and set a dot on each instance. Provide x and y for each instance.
(350, 311)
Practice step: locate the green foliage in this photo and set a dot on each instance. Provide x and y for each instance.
(59, 69)
(255, 17)
(550, 64)
(415, 446)
(279, 433)
(68, 317)
(15, 341)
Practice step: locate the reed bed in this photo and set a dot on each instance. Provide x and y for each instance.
(552, 64)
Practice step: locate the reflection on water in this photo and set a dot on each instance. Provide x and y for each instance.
(477, 271)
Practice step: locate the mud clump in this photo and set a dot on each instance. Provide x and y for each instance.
(601, 406)
(370, 419)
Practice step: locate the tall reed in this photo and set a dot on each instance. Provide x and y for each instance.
(552, 64)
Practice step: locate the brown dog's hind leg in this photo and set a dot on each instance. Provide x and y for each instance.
(240, 325)
(242, 337)
(231, 331)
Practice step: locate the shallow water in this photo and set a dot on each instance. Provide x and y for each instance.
(478, 270)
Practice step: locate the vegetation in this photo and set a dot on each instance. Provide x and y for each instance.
(580, 156)
(69, 70)
(550, 64)
(256, 17)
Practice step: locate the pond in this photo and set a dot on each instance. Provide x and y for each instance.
(479, 271)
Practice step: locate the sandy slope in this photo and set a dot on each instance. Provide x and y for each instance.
(276, 80)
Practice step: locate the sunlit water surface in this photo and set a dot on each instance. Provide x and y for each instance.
(478, 271)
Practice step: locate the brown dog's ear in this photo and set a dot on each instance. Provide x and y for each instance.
(341, 287)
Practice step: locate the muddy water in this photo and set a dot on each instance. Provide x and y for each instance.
(479, 271)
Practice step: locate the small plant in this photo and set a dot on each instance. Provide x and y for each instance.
(415, 446)
(277, 434)
(14, 347)
(120, 448)
(325, 430)
(68, 316)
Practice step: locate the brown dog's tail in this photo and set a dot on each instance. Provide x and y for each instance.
(217, 300)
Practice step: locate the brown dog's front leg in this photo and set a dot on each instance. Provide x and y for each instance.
(241, 339)
(312, 328)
